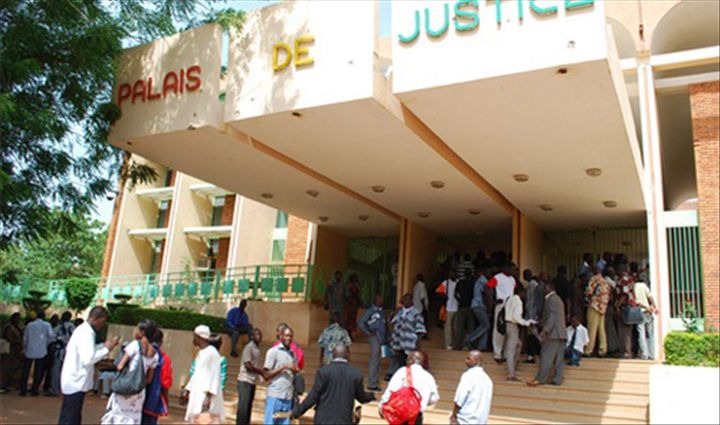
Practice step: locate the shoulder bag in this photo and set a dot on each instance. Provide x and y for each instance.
(404, 404)
(130, 382)
(632, 315)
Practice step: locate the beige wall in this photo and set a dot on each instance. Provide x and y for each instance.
(253, 227)
(189, 209)
(418, 251)
(330, 254)
(132, 255)
(531, 246)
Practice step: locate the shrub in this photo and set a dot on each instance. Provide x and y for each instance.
(80, 293)
(167, 319)
(692, 349)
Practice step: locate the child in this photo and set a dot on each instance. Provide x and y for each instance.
(577, 339)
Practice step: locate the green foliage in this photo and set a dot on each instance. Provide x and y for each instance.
(57, 71)
(72, 246)
(692, 349)
(80, 293)
(168, 319)
(691, 321)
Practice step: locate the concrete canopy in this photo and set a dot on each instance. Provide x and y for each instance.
(541, 96)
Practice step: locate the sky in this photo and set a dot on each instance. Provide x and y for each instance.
(104, 205)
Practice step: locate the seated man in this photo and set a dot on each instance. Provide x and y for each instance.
(237, 323)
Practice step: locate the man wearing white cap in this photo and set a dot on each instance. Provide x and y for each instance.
(204, 391)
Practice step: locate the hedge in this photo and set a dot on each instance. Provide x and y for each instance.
(167, 319)
(692, 349)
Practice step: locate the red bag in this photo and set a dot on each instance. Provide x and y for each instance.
(404, 404)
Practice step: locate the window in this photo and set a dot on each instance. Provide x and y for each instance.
(281, 221)
(162, 214)
(278, 251)
(218, 205)
(155, 259)
(168, 177)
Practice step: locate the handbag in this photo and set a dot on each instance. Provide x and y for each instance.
(632, 315)
(404, 404)
(130, 382)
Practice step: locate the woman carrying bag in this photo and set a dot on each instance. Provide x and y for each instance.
(125, 405)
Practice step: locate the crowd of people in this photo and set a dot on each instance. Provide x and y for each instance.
(606, 309)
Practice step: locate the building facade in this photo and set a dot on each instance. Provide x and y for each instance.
(544, 129)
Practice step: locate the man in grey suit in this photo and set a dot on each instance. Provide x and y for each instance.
(552, 338)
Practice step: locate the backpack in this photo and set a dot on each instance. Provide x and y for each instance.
(404, 404)
(500, 323)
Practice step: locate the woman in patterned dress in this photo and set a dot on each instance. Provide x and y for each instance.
(127, 409)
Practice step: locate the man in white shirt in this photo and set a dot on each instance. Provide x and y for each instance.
(451, 307)
(203, 392)
(646, 329)
(473, 396)
(38, 334)
(78, 368)
(422, 380)
(504, 285)
(577, 337)
(513, 321)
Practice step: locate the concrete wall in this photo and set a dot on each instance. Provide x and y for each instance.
(331, 251)
(254, 225)
(418, 252)
(704, 100)
(684, 395)
(531, 246)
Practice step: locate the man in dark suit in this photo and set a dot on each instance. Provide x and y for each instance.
(552, 338)
(336, 387)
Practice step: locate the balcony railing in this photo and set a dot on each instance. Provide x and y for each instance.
(268, 282)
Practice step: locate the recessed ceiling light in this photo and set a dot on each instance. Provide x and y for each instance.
(593, 172)
(546, 207)
(437, 184)
(267, 195)
(424, 214)
(521, 178)
(363, 217)
(312, 193)
(473, 212)
(323, 219)
(562, 71)
(296, 114)
(378, 189)
(610, 204)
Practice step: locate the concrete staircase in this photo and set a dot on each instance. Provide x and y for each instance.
(600, 391)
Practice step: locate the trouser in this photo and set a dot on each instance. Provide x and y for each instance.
(246, 396)
(533, 345)
(10, 365)
(464, 324)
(399, 360)
(148, 419)
(573, 356)
(449, 328)
(374, 362)
(498, 338)
(48, 367)
(596, 331)
(513, 346)
(418, 420)
(276, 405)
(551, 354)
(625, 333)
(71, 410)
(646, 337)
(481, 331)
(235, 333)
(37, 374)
(351, 319)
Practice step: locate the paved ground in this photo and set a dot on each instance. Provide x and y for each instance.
(44, 410)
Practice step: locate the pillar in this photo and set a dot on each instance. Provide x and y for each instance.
(418, 252)
(704, 101)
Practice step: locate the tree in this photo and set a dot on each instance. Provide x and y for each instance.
(71, 247)
(80, 293)
(57, 71)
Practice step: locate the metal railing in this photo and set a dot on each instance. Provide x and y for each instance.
(268, 282)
